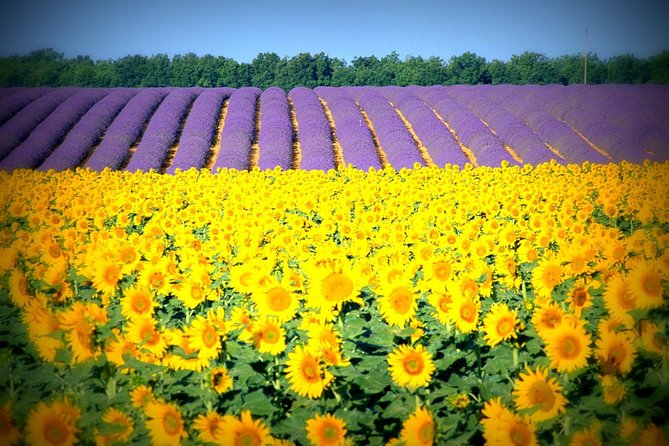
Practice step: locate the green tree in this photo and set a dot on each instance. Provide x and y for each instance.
(158, 71)
(263, 69)
(131, 70)
(531, 68)
(658, 68)
(468, 68)
(626, 69)
(498, 72)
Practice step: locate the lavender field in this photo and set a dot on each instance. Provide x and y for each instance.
(166, 129)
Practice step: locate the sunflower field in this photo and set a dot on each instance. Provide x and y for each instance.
(515, 305)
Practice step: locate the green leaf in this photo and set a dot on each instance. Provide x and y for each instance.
(258, 403)
(398, 408)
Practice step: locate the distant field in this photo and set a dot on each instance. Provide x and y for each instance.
(328, 127)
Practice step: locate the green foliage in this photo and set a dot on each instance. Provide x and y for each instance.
(48, 68)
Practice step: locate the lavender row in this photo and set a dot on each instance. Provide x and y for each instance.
(162, 131)
(238, 130)
(395, 140)
(16, 99)
(87, 132)
(114, 149)
(352, 132)
(18, 128)
(275, 139)
(486, 147)
(507, 127)
(198, 132)
(31, 152)
(527, 104)
(431, 132)
(313, 130)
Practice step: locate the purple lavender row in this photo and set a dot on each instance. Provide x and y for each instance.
(352, 132)
(238, 130)
(16, 99)
(198, 132)
(431, 132)
(88, 131)
(528, 104)
(619, 106)
(394, 137)
(508, 128)
(486, 147)
(162, 131)
(125, 129)
(313, 130)
(31, 152)
(275, 139)
(600, 132)
(18, 128)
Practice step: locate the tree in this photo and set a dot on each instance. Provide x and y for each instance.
(658, 67)
(263, 69)
(497, 71)
(626, 69)
(468, 68)
(531, 68)
(158, 71)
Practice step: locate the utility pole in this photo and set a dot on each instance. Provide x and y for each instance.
(585, 58)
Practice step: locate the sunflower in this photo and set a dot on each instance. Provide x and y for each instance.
(9, 433)
(141, 396)
(464, 313)
(144, 334)
(652, 339)
(618, 299)
(204, 337)
(397, 303)
(244, 431)
(613, 390)
(501, 427)
(499, 324)
(244, 276)
(78, 332)
(192, 293)
(137, 303)
(18, 288)
(579, 298)
(646, 283)
(537, 392)
(568, 346)
(121, 423)
(209, 427)
(269, 336)
(165, 423)
(411, 366)
(220, 380)
(52, 424)
(653, 435)
(546, 318)
(115, 349)
(276, 299)
(332, 284)
(106, 275)
(326, 430)
(418, 429)
(437, 272)
(441, 302)
(615, 352)
(585, 437)
(545, 276)
(306, 374)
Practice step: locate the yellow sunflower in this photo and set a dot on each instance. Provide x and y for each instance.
(418, 429)
(501, 427)
(585, 437)
(165, 424)
(441, 302)
(326, 430)
(269, 336)
(397, 303)
(18, 288)
(106, 275)
(464, 313)
(568, 346)
(144, 334)
(618, 299)
(646, 283)
(220, 380)
(9, 433)
(411, 366)
(53, 424)
(276, 299)
(121, 423)
(244, 431)
(579, 298)
(615, 352)
(499, 324)
(437, 272)
(141, 396)
(306, 374)
(536, 392)
(204, 337)
(546, 318)
(209, 427)
(653, 435)
(545, 276)
(137, 303)
(613, 389)
(333, 283)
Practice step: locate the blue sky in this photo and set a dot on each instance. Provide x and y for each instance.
(241, 29)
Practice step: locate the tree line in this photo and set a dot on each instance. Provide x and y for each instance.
(48, 67)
